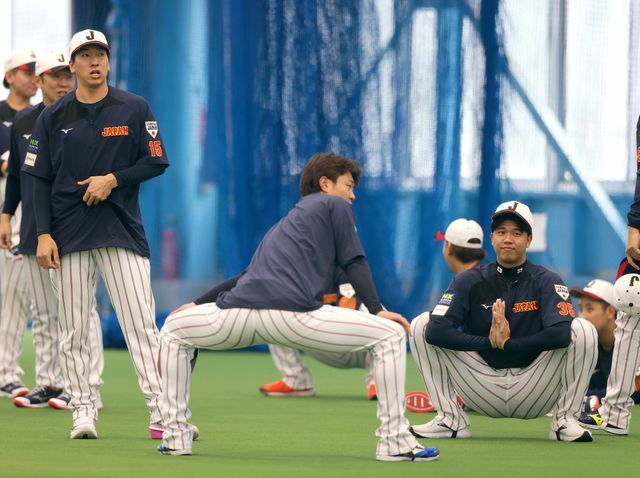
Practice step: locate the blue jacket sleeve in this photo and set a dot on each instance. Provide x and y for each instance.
(444, 328)
(633, 217)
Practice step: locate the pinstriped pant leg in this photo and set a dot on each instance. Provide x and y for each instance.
(362, 359)
(338, 330)
(581, 358)
(127, 276)
(45, 323)
(13, 321)
(74, 285)
(291, 367)
(435, 375)
(617, 405)
(203, 326)
(96, 352)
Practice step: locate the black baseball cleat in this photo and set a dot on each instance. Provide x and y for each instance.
(13, 390)
(37, 398)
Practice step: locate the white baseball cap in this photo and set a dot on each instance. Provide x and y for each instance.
(463, 233)
(51, 62)
(597, 289)
(513, 208)
(21, 59)
(87, 37)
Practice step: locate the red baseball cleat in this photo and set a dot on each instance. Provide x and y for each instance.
(372, 392)
(281, 389)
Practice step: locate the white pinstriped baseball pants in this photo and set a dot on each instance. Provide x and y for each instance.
(329, 329)
(297, 375)
(127, 277)
(557, 379)
(616, 406)
(15, 313)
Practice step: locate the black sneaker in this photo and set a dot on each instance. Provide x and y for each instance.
(13, 390)
(37, 398)
(61, 402)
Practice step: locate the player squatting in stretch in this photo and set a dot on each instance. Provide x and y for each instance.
(278, 301)
(31, 288)
(503, 336)
(92, 149)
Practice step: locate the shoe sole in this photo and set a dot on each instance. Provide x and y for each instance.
(590, 425)
(59, 407)
(614, 431)
(24, 404)
(21, 393)
(297, 393)
(175, 452)
(584, 438)
(451, 434)
(84, 433)
(404, 458)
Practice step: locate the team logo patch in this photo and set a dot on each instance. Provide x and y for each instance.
(525, 306)
(115, 131)
(347, 290)
(440, 310)
(30, 159)
(152, 128)
(562, 291)
(446, 299)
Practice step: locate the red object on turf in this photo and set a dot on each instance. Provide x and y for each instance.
(419, 402)
(281, 389)
(372, 393)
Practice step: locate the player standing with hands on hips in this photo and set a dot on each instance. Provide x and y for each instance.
(89, 153)
(278, 300)
(503, 336)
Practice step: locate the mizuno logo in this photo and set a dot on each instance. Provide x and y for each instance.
(26, 136)
(65, 131)
(7, 123)
(486, 306)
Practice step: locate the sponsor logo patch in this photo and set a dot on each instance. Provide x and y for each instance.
(115, 131)
(528, 306)
(152, 128)
(30, 159)
(440, 310)
(66, 131)
(7, 123)
(446, 299)
(26, 136)
(562, 291)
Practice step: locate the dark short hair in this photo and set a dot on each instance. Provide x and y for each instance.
(97, 45)
(330, 165)
(467, 254)
(522, 225)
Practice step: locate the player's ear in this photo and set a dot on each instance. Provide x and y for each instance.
(38, 80)
(611, 312)
(529, 239)
(325, 184)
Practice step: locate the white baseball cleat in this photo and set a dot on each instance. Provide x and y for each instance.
(418, 453)
(85, 429)
(570, 431)
(433, 429)
(163, 450)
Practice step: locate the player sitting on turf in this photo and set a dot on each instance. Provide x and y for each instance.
(503, 336)
(462, 250)
(278, 300)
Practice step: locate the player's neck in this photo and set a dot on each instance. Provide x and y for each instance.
(90, 95)
(459, 266)
(16, 101)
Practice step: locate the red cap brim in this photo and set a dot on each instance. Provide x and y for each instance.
(27, 66)
(439, 236)
(577, 293)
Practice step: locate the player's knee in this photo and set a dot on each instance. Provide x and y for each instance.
(419, 324)
(584, 332)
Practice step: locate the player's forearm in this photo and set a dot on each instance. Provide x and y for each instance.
(448, 336)
(138, 173)
(11, 195)
(551, 338)
(42, 204)
(359, 274)
(212, 295)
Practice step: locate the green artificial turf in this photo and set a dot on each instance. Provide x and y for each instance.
(246, 434)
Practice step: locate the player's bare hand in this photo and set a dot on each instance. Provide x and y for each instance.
(500, 331)
(98, 188)
(183, 307)
(47, 252)
(633, 246)
(387, 314)
(5, 231)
